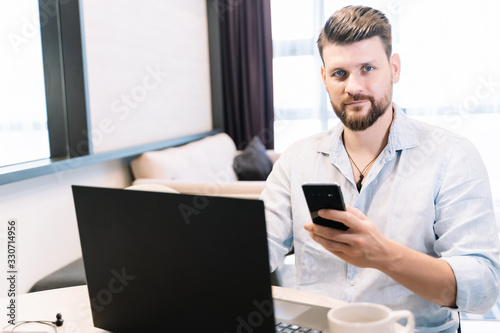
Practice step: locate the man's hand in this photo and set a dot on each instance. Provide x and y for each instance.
(363, 245)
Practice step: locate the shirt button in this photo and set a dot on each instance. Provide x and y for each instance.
(352, 283)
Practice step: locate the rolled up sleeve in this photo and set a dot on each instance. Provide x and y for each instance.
(467, 236)
(477, 283)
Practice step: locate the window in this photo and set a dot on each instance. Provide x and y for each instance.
(45, 118)
(299, 100)
(23, 115)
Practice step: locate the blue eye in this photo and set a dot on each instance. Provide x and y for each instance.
(338, 73)
(367, 68)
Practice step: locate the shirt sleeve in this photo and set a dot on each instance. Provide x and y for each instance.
(276, 197)
(465, 228)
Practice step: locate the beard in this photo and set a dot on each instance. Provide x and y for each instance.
(356, 122)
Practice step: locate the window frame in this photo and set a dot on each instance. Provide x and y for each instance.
(64, 82)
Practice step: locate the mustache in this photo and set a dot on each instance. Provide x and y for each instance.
(357, 97)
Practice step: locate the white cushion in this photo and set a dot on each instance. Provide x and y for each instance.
(206, 188)
(151, 188)
(208, 159)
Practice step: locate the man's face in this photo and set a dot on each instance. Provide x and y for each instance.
(359, 78)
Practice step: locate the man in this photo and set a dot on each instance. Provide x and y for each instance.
(422, 232)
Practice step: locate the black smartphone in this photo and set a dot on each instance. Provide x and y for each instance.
(324, 196)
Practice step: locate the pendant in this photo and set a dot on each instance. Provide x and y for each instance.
(358, 184)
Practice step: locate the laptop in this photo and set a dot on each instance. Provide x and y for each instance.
(184, 263)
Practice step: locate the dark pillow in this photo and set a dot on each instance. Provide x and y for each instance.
(253, 163)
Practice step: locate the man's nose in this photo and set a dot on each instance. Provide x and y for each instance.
(354, 85)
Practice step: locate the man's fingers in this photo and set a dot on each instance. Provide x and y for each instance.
(334, 215)
(329, 244)
(351, 217)
(324, 232)
(354, 211)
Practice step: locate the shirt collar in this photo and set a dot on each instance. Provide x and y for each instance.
(401, 136)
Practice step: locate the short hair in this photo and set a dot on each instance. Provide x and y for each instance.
(352, 24)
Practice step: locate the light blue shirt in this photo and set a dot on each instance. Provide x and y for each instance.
(428, 190)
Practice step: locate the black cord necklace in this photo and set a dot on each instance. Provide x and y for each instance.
(361, 173)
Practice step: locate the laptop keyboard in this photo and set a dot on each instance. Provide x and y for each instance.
(287, 328)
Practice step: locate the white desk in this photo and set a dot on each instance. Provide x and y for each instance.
(74, 305)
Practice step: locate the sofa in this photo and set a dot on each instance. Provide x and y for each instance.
(210, 166)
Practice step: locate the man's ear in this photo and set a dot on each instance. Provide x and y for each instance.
(395, 63)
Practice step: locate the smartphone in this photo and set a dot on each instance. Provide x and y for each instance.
(324, 196)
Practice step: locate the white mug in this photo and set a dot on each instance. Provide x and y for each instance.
(368, 318)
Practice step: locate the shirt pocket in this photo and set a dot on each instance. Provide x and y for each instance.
(318, 268)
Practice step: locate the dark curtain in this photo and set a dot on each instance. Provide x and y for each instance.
(246, 54)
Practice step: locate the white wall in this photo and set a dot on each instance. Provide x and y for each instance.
(146, 62)
(47, 237)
